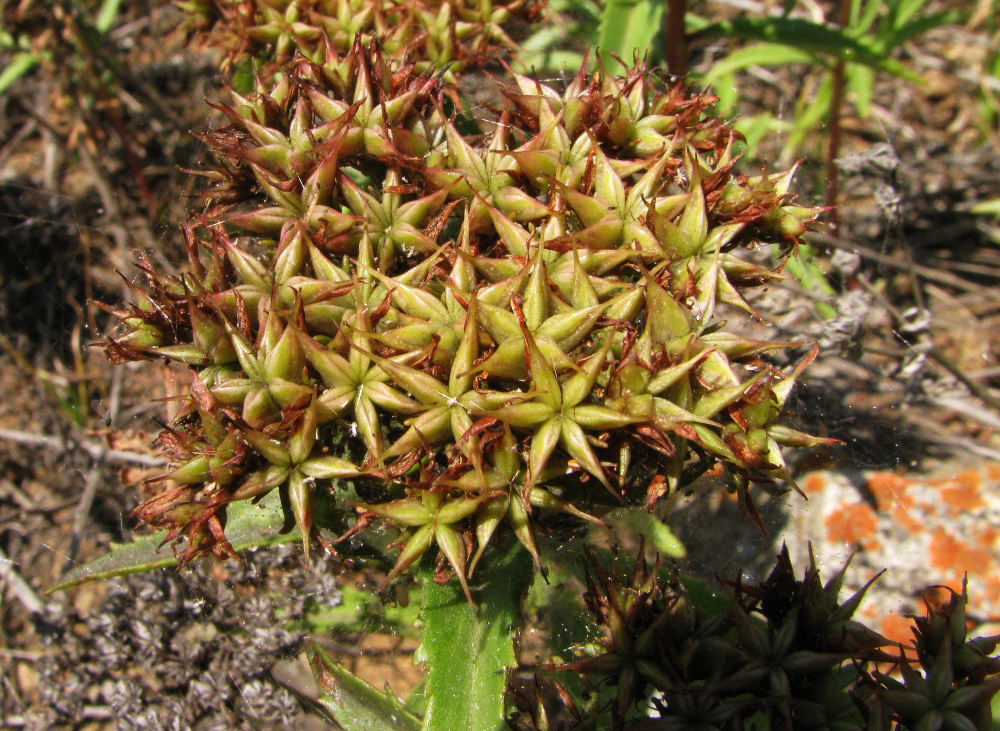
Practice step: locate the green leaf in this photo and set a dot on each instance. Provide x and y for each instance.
(107, 14)
(248, 525)
(353, 703)
(987, 208)
(861, 80)
(918, 27)
(756, 127)
(20, 65)
(362, 608)
(809, 37)
(468, 649)
(643, 523)
(802, 265)
(818, 108)
(244, 79)
(761, 54)
(703, 597)
(628, 28)
(862, 18)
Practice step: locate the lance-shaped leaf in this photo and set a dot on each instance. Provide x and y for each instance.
(248, 525)
(394, 226)
(273, 372)
(556, 415)
(420, 319)
(469, 648)
(556, 334)
(352, 703)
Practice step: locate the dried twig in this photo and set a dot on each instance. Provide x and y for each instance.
(111, 456)
(82, 512)
(18, 586)
(14, 143)
(898, 263)
(931, 432)
(979, 390)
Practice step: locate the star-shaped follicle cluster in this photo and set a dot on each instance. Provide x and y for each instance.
(460, 334)
(441, 35)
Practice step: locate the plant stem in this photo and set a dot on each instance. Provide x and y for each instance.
(833, 141)
(675, 38)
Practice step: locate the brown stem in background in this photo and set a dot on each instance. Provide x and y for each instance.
(833, 146)
(131, 158)
(675, 38)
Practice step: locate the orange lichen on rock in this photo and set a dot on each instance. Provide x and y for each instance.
(988, 536)
(888, 488)
(947, 552)
(906, 519)
(813, 484)
(854, 524)
(897, 628)
(993, 586)
(964, 494)
(937, 529)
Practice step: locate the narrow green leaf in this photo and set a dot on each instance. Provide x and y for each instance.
(818, 108)
(804, 35)
(761, 54)
(862, 18)
(468, 649)
(641, 522)
(248, 525)
(918, 27)
(861, 80)
(20, 65)
(107, 14)
(987, 208)
(353, 703)
(628, 28)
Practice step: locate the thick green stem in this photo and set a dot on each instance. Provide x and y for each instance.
(469, 648)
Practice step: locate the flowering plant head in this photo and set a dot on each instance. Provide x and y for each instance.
(456, 333)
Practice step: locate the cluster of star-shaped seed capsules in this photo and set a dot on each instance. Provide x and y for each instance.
(457, 334)
(444, 36)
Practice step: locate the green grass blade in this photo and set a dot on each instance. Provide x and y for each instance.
(804, 35)
(817, 109)
(20, 65)
(628, 28)
(918, 27)
(107, 14)
(902, 10)
(867, 17)
(549, 60)
(861, 81)
(354, 704)
(247, 526)
(469, 649)
(641, 523)
(761, 54)
(987, 208)
(803, 267)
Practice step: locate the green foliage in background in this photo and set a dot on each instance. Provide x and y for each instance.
(867, 44)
